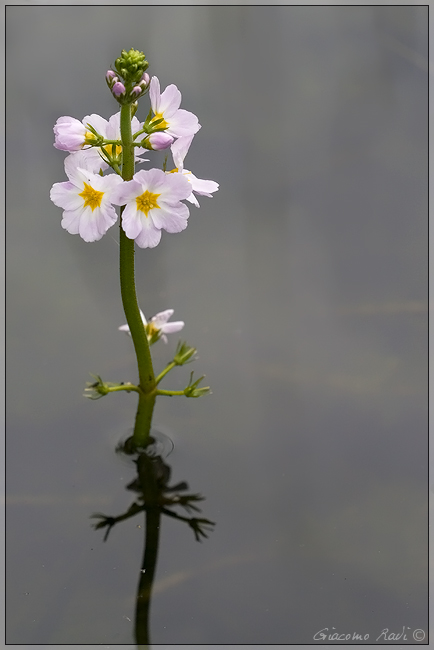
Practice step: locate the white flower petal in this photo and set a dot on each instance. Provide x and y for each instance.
(107, 217)
(107, 184)
(71, 221)
(126, 192)
(170, 328)
(203, 187)
(149, 237)
(180, 149)
(88, 159)
(183, 123)
(153, 180)
(64, 195)
(176, 188)
(99, 123)
(131, 221)
(193, 199)
(154, 94)
(162, 317)
(88, 226)
(170, 101)
(171, 219)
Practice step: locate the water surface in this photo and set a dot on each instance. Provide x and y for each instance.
(303, 285)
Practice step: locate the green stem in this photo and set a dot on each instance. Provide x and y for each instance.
(142, 425)
(164, 372)
(129, 298)
(127, 387)
(137, 133)
(160, 391)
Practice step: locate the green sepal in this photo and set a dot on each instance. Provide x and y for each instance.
(184, 353)
(192, 389)
(150, 125)
(154, 337)
(98, 137)
(97, 389)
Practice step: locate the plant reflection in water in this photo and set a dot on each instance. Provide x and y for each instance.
(155, 497)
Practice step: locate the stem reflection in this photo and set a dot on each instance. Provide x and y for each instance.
(155, 497)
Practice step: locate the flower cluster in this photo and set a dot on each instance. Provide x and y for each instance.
(153, 198)
(130, 81)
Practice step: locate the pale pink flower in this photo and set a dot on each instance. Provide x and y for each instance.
(153, 203)
(176, 121)
(85, 199)
(72, 135)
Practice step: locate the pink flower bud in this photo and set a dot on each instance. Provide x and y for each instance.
(159, 141)
(118, 89)
(145, 79)
(110, 75)
(136, 91)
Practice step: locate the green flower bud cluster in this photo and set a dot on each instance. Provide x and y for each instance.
(129, 81)
(131, 66)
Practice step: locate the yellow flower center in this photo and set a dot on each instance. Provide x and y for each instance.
(147, 201)
(92, 198)
(89, 138)
(151, 329)
(163, 124)
(113, 150)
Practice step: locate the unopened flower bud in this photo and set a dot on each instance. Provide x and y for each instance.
(131, 66)
(145, 79)
(158, 141)
(118, 89)
(136, 91)
(111, 77)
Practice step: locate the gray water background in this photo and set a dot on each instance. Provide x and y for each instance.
(303, 285)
